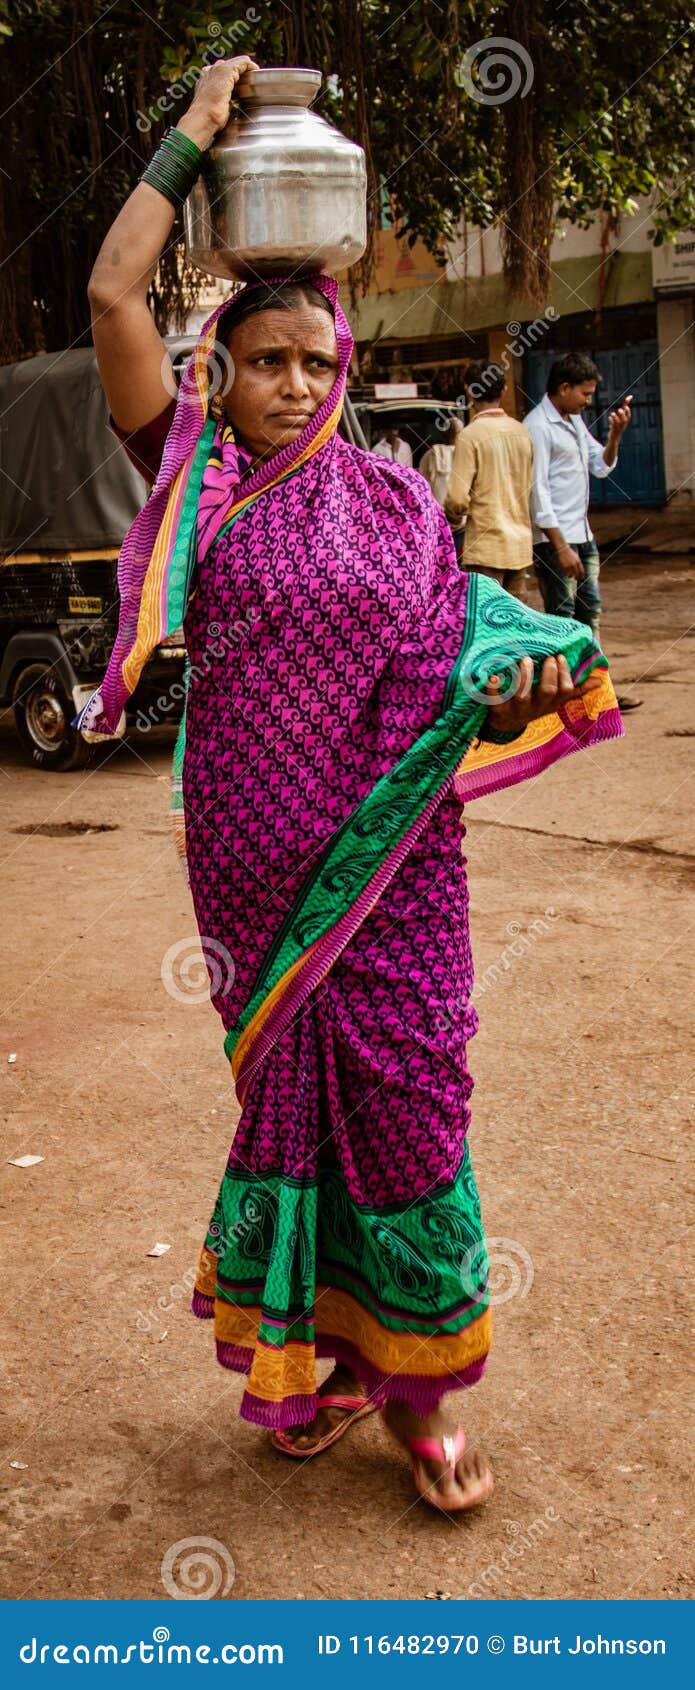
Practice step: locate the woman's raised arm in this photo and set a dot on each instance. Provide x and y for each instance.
(133, 361)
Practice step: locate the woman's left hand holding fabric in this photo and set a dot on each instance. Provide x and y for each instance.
(555, 688)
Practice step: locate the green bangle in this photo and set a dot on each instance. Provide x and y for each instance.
(184, 144)
(174, 167)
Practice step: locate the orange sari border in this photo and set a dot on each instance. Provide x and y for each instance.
(277, 1372)
(254, 1027)
(483, 754)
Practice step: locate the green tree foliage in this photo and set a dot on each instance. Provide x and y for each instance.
(581, 110)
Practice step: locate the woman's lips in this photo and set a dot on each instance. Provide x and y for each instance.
(292, 416)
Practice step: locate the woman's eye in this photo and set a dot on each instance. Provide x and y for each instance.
(323, 363)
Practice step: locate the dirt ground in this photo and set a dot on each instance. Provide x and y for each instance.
(121, 1436)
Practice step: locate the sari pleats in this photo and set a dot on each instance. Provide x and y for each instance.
(348, 1222)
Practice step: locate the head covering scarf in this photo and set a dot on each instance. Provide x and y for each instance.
(197, 492)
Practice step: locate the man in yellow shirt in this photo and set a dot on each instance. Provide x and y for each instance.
(490, 485)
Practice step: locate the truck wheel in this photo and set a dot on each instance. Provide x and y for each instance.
(43, 711)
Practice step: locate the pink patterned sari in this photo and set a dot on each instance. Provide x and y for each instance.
(336, 720)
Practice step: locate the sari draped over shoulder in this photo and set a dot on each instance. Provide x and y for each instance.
(336, 721)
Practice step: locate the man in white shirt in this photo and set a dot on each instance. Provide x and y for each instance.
(437, 462)
(390, 445)
(564, 454)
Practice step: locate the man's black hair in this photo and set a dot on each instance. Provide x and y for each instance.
(573, 368)
(486, 381)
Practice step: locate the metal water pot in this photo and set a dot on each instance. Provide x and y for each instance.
(281, 192)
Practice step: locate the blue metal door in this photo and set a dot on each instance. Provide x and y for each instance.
(639, 476)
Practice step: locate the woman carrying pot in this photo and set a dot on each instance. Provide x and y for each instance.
(322, 766)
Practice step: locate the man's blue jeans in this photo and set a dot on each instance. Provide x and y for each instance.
(563, 595)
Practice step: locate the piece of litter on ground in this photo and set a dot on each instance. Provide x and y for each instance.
(159, 1249)
(12, 1056)
(163, 1334)
(21, 1466)
(28, 1162)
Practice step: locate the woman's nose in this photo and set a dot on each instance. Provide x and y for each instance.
(296, 386)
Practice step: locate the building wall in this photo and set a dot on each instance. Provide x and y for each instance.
(676, 334)
(478, 252)
(466, 301)
(211, 295)
(468, 293)
(462, 310)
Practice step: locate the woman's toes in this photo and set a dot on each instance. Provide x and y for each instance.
(448, 1489)
(474, 1478)
(467, 1487)
(304, 1437)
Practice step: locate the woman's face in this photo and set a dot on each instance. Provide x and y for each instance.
(285, 364)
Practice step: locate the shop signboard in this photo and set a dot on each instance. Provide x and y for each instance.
(673, 264)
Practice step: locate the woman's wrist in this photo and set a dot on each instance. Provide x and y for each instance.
(175, 167)
(495, 736)
(197, 127)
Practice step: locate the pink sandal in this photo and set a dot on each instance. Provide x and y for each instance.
(356, 1408)
(449, 1450)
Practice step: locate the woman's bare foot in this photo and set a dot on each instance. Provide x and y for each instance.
(467, 1486)
(340, 1383)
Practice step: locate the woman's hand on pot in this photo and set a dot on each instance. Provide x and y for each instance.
(555, 687)
(209, 108)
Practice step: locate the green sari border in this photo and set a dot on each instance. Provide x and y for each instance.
(184, 554)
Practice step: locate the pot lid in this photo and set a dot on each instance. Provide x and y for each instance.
(281, 85)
